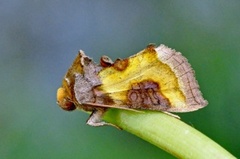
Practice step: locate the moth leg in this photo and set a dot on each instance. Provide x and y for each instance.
(170, 114)
(95, 119)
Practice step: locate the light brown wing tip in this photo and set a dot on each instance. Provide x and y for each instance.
(186, 77)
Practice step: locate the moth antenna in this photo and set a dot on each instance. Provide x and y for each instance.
(110, 106)
(170, 114)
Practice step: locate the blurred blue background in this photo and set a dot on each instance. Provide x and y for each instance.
(40, 39)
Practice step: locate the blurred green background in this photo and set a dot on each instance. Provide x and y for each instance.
(40, 39)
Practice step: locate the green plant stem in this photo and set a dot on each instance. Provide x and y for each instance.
(167, 133)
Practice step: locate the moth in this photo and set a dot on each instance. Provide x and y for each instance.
(156, 78)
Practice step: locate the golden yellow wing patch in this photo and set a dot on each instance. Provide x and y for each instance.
(155, 78)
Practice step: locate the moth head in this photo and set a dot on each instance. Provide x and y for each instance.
(64, 99)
